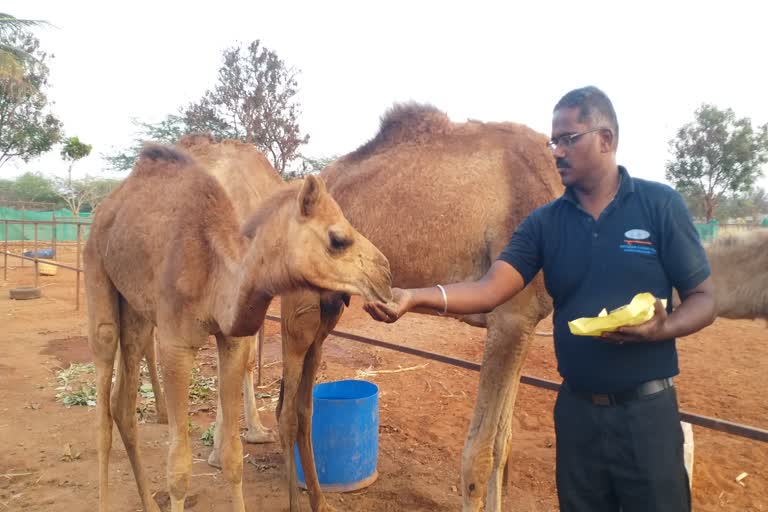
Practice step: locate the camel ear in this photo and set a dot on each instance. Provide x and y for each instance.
(310, 193)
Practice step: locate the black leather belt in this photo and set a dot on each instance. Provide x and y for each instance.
(646, 388)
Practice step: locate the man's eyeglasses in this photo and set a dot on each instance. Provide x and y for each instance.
(568, 140)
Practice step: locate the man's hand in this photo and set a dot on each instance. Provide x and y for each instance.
(400, 305)
(652, 330)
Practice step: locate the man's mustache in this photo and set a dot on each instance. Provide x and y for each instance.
(562, 163)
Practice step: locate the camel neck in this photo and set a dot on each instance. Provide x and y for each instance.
(246, 286)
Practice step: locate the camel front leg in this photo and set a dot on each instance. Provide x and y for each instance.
(486, 445)
(300, 315)
(331, 309)
(503, 441)
(288, 423)
(176, 360)
(257, 432)
(233, 354)
(304, 401)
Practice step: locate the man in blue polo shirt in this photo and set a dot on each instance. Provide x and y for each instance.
(609, 237)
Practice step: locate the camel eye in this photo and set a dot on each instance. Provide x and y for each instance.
(338, 242)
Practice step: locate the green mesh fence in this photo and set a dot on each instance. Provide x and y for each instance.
(707, 232)
(64, 232)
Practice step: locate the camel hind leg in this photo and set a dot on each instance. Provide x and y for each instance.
(150, 355)
(136, 338)
(103, 335)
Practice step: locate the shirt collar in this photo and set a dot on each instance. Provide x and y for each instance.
(626, 187)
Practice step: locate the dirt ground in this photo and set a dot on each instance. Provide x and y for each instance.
(424, 414)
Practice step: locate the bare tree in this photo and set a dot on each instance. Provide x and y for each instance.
(254, 101)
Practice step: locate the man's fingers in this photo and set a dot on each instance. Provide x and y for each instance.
(374, 312)
(617, 336)
(381, 312)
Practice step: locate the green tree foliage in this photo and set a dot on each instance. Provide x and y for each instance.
(715, 154)
(72, 151)
(167, 131)
(30, 186)
(13, 58)
(27, 128)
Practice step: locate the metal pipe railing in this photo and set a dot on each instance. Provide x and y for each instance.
(737, 429)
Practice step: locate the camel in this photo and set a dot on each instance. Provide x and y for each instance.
(740, 273)
(448, 197)
(472, 183)
(248, 179)
(167, 251)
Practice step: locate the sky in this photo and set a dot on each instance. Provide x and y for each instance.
(490, 61)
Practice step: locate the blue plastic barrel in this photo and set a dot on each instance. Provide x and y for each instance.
(345, 435)
(40, 253)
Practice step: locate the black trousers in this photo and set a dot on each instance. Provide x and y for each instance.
(626, 457)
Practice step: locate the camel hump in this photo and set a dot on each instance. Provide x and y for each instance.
(196, 139)
(405, 122)
(156, 158)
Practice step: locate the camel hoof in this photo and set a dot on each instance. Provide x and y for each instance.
(214, 460)
(261, 436)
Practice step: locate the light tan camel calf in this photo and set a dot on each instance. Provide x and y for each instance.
(167, 249)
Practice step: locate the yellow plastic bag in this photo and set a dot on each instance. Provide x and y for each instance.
(636, 312)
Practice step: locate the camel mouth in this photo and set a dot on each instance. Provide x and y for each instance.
(377, 290)
(384, 296)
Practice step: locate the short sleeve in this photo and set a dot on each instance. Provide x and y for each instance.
(682, 254)
(524, 248)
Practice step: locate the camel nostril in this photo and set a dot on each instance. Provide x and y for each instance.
(471, 487)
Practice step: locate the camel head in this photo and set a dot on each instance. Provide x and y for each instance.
(329, 253)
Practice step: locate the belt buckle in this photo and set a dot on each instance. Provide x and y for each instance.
(603, 400)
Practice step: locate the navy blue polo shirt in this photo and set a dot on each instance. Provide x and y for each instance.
(644, 241)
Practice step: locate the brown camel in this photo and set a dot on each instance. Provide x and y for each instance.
(740, 272)
(447, 198)
(167, 250)
(410, 160)
(248, 179)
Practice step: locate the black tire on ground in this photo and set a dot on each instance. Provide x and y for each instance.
(27, 292)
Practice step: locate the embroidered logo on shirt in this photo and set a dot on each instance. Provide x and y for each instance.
(637, 234)
(637, 241)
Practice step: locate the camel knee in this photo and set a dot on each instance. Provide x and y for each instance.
(304, 413)
(288, 426)
(476, 466)
(104, 343)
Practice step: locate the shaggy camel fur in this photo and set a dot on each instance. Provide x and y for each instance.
(447, 198)
(493, 164)
(740, 273)
(167, 250)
